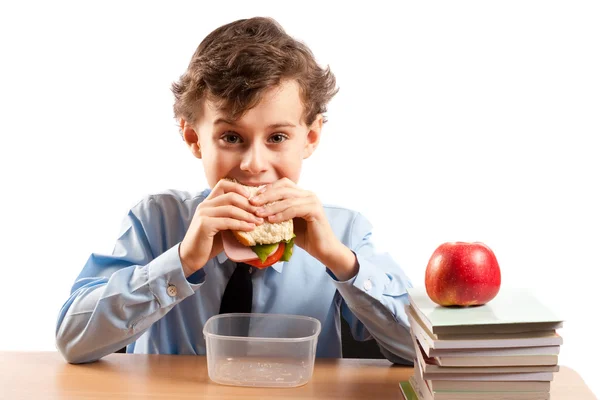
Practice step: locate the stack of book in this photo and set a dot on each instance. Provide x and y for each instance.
(506, 349)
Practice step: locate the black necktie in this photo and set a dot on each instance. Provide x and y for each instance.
(237, 297)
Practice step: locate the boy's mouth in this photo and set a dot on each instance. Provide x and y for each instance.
(250, 183)
(254, 183)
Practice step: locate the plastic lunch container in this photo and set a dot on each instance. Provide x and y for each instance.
(266, 350)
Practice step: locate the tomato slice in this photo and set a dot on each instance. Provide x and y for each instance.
(272, 259)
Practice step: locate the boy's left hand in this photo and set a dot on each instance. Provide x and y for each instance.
(313, 232)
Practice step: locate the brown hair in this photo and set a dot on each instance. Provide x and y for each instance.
(237, 62)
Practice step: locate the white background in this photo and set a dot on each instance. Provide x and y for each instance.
(463, 120)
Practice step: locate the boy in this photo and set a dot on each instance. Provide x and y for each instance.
(250, 106)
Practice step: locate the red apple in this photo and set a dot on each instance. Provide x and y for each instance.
(462, 274)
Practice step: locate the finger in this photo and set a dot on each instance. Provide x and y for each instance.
(302, 212)
(275, 194)
(283, 182)
(229, 211)
(235, 199)
(215, 225)
(226, 186)
(274, 208)
(296, 208)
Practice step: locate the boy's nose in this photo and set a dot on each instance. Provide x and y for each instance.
(254, 161)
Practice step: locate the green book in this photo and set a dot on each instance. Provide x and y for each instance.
(511, 311)
(407, 391)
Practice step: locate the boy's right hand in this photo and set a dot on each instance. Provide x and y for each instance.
(226, 208)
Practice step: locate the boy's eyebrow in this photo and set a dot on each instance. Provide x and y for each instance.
(282, 124)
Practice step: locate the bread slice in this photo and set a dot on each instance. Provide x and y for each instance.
(266, 233)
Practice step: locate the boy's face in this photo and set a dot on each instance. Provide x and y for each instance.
(267, 143)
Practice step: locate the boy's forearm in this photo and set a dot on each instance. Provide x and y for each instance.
(377, 299)
(376, 296)
(341, 261)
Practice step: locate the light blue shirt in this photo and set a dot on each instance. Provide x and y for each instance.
(139, 297)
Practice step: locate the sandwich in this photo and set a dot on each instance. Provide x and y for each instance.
(262, 247)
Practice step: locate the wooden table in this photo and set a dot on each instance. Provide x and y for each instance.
(45, 375)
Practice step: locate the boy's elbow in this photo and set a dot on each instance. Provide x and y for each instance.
(71, 350)
(400, 350)
(72, 358)
(71, 354)
(401, 356)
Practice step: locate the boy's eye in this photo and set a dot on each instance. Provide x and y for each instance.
(278, 138)
(231, 138)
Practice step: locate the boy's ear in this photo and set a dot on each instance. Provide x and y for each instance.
(313, 137)
(191, 137)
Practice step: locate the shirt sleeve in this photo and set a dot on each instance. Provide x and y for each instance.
(117, 297)
(374, 300)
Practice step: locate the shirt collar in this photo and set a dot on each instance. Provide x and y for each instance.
(278, 266)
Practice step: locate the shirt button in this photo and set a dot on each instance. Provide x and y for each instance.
(250, 270)
(172, 290)
(368, 285)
